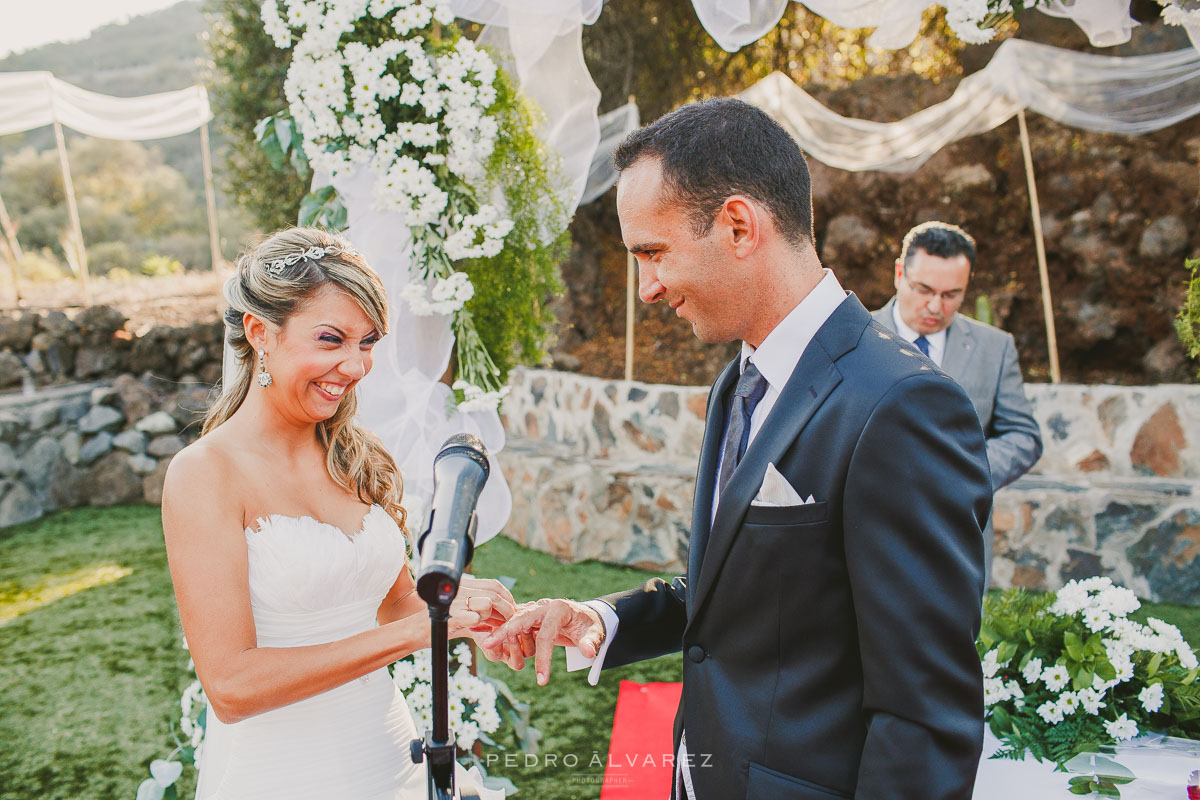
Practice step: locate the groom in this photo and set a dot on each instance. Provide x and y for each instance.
(828, 615)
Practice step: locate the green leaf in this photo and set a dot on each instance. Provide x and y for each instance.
(1083, 679)
(1073, 645)
(1106, 789)
(264, 134)
(1081, 785)
(1006, 651)
(323, 207)
(1106, 670)
(1155, 663)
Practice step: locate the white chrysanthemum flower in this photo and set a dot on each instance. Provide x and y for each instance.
(1050, 712)
(1068, 702)
(994, 692)
(1055, 677)
(1090, 700)
(1187, 658)
(1096, 619)
(1151, 697)
(466, 733)
(1122, 728)
(1032, 670)
(403, 674)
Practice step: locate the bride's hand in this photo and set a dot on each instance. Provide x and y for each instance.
(481, 606)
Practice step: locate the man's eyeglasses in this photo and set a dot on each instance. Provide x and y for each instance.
(953, 297)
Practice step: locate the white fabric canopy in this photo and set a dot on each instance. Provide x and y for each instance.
(1131, 95)
(32, 99)
(734, 24)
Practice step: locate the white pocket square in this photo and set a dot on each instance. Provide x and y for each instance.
(776, 491)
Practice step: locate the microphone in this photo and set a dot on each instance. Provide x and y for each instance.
(459, 472)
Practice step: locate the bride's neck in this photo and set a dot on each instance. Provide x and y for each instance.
(258, 419)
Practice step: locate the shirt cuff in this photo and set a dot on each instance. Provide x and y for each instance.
(577, 660)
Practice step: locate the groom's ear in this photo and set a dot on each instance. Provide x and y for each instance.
(740, 219)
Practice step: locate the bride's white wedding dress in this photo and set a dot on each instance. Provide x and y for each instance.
(310, 583)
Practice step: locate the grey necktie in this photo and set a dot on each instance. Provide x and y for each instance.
(750, 390)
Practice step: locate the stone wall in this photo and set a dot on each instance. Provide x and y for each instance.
(93, 444)
(605, 469)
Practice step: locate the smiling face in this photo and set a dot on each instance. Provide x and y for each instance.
(322, 351)
(930, 290)
(697, 277)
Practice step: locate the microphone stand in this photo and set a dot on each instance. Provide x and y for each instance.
(437, 749)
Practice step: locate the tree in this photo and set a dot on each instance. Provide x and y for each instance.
(247, 85)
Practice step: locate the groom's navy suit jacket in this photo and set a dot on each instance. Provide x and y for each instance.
(828, 648)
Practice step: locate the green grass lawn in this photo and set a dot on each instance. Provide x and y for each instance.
(90, 677)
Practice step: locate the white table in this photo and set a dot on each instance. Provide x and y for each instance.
(1161, 775)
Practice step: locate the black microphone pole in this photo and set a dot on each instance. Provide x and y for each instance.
(459, 473)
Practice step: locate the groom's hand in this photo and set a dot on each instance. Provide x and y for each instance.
(536, 629)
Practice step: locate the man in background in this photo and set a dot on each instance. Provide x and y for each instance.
(935, 264)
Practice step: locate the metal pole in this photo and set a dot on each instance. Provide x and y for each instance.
(14, 248)
(73, 210)
(1035, 210)
(210, 197)
(630, 282)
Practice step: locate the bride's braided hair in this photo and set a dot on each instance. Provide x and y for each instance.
(355, 457)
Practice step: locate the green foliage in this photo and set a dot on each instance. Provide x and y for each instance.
(1187, 323)
(324, 208)
(247, 86)
(130, 203)
(512, 288)
(157, 266)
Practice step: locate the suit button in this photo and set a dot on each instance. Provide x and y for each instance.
(696, 653)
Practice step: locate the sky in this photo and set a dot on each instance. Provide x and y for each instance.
(31, 23)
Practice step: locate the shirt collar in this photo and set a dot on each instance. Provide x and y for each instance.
(937, 341)
(777, 356)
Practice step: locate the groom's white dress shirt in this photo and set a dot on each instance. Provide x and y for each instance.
(776, 359)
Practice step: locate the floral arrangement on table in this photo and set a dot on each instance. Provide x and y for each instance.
(392, 87)
(1069, 672)
(479, 707)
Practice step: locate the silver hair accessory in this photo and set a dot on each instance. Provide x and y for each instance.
(277, 266)
(264, 377)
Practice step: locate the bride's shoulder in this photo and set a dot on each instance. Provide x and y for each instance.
(207, 468)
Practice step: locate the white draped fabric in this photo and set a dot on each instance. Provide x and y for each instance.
(614, 126)
(733, 24)
(30, 100)
(1131, 95)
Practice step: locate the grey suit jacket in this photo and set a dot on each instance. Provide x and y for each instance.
(983, 360)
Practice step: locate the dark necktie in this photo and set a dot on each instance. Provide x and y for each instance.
(923, 345)
(750, 390)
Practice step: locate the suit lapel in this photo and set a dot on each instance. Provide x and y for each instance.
(813, 379)
(960, 344)
(706, 472)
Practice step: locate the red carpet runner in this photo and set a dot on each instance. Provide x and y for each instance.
(640, 762)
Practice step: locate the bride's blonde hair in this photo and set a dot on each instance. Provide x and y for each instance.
(355, 457)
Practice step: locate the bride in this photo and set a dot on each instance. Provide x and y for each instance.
(285, 535)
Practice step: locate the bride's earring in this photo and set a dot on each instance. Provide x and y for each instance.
(264, 377)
